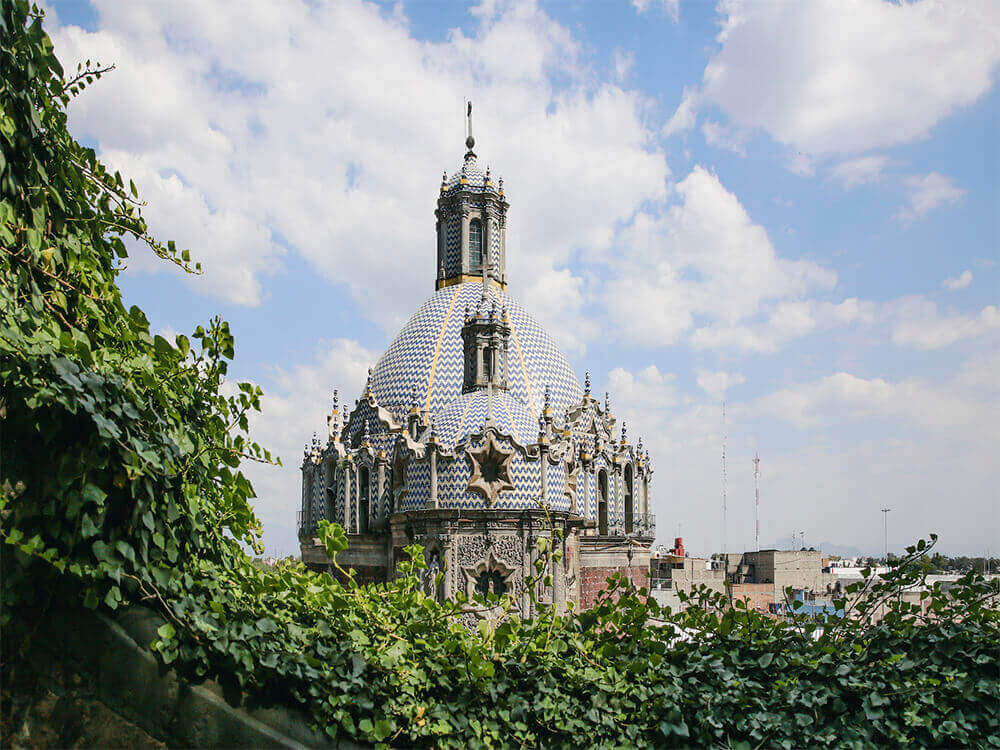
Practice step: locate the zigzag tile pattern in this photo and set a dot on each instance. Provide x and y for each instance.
(467, 414)
(427, 355)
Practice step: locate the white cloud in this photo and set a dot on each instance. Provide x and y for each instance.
(291, 410)
(702, 265)
(927, 192)
(910, 444)
(839, 77)
(685, 116)
(960, 282)
(671, 7)
(255, 126)
(918, 324)
(649, 387)
(724, 137)
(715, 384)
(944, 410)
(854, 172)
(622, 62)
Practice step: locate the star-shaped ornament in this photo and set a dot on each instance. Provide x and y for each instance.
(490, 470)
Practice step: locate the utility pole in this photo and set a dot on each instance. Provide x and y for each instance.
(756, 502)
(885, 534)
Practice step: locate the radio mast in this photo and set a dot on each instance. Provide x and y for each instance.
(756, 502)
(724, 435)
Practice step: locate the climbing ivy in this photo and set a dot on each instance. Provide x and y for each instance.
(120, 484)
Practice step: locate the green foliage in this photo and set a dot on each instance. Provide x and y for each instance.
(121, 485)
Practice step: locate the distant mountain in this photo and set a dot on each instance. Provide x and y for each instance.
(828, 548)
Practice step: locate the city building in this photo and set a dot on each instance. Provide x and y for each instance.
(474, 438)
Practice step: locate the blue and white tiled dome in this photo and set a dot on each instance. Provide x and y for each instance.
(466, 415)
(475, 178)
(427, 358)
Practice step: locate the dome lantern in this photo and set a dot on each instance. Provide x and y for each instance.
(471, 223)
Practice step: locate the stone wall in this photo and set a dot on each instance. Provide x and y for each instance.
(75, 678)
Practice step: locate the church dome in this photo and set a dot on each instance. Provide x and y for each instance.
(467, 414)
(474, 176)
(426, 360)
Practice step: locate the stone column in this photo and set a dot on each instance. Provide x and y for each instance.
(487, 238)
(434, 477)
(381, 487)
(348, 497)
(465, 243)
(525, 568)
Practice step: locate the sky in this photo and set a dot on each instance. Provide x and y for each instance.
(787, 207)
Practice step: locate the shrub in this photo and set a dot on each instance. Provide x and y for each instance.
(121, 485)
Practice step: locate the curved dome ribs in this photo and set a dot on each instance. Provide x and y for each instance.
(472, 379)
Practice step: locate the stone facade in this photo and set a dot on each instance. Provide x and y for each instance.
(474, 438)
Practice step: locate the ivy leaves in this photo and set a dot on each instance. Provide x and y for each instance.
(121, 486)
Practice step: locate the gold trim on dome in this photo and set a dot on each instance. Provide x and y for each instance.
(437, 353)
(463, 278)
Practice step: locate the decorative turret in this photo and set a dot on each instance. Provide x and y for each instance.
(486, 336)
(471, 223)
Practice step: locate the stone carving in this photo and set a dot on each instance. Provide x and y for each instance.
(490, 470)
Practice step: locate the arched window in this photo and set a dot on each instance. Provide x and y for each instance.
(331, 489)
(491, 582)
(475, 245)
(488, 363)
(602, 503)
(629, 504)
(364, 490)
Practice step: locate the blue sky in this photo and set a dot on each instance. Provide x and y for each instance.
(789, 206)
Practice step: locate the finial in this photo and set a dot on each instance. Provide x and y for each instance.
(469, 141)
(607, 402)
(336, 400)
(367, 434)
(501, 185)
(414, 406)
(548, 399)
(586, 384)
(487, 180)
(638, 447)
(624, 433)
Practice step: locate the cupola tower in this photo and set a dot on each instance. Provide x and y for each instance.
(471, 222)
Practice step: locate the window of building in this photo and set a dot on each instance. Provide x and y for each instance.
(364, 491)
(491, 582)
(475, 244)
(488, 363)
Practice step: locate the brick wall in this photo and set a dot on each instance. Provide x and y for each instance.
(594, 580)
(759, 596)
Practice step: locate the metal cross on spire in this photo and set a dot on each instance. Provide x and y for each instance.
(469, 140)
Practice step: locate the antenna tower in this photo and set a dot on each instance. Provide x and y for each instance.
(724, 436)
(756, 502)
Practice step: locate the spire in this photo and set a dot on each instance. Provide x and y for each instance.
(470, 142)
